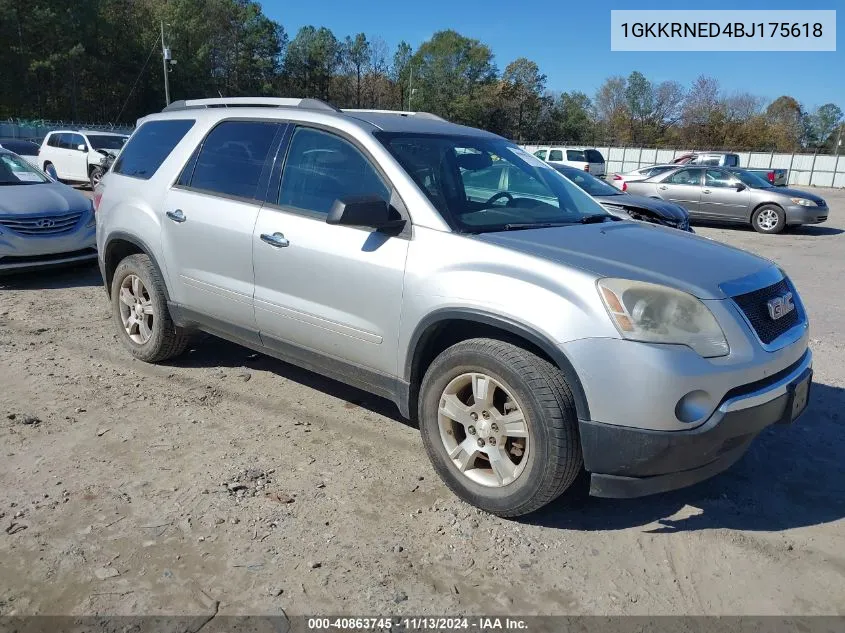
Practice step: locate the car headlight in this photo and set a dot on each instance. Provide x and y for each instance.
(653, 313)
(803, 202)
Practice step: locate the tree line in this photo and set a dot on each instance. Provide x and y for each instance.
(100, 60)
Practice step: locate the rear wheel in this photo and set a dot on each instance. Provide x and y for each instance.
(139, 308)
(499, 426)
(768, 219)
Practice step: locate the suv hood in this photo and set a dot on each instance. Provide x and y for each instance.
(633, 250)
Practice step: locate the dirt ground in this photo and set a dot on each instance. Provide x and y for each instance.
(227, 482)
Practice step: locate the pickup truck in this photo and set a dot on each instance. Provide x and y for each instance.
(775, 177)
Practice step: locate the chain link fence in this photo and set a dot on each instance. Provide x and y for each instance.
(36, 129)
(815, 169)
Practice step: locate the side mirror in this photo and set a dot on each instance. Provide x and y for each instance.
(368, 210)
(82, 148)
(740, 186)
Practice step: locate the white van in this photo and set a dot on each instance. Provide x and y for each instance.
(589, 160)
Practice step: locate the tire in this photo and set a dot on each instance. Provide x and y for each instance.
(550, 458)
(95, 176)
(50, 170)
(763, 219)
(158, 339)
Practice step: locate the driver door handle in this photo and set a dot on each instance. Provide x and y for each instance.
(705, 191)
(176, 216)
(276, 239)
(662, 187)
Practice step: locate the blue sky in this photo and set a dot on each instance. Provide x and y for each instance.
(570, 40)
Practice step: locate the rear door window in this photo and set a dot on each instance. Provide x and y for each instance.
(556, 154)
(150, 146)
(55, 140)
(731, 160)
(232, 158)
(576, 155)
(685, 177)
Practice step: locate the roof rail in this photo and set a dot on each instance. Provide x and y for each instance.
(249, 102)
(417, 115)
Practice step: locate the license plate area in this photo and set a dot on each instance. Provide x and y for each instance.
(799, 397)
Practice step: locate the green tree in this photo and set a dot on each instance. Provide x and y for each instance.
(523, 86)
(450, 74)
(787, 123)
(399, 71)
(824, 122)
(357, 51)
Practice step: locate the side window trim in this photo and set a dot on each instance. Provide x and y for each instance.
(274, 190)
(263, 180)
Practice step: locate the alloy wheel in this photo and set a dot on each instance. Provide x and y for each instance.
(767, 219)
(483, 429)
(136, 309)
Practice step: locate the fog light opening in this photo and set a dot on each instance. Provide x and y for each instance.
(693, 407)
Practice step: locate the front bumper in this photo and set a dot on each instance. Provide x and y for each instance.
(633, 462)
(29, 252)
(796, 214)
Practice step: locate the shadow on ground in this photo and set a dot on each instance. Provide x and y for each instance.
(792, 476)
(211, 351)
(804, 229)
(79, 276)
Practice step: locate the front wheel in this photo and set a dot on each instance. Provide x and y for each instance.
(96, 176)
(769, 219)
(500, 427)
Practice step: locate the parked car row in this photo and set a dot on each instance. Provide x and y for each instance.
(480, 288)
(776, 177)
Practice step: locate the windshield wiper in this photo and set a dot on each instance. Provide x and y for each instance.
(519, 226)
(597, 218)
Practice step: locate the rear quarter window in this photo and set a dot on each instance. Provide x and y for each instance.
(576, 155)
(593, 156)
(150, 146)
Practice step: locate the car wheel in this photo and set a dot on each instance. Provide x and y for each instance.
(140, 311)
(51, 171)
(768, 219)
(96, 176)
(500, 427)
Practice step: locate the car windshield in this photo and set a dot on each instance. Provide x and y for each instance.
(14, 170)
(106, 141)
(752, 180)
(488, 184)
(588, 183)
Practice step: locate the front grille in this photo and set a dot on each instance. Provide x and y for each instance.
(41, 224)
(755, 307)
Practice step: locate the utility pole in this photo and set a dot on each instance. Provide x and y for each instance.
(165, 58)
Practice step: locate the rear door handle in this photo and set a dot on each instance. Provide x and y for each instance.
(176, 216)
(276, 239)
(663, 187)
(705, 191)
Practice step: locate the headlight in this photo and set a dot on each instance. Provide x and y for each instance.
(658, 314)
(803, 202)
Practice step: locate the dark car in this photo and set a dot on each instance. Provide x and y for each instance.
(626, 205)
(26, 149)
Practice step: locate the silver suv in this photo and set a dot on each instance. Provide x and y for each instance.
(532, 335)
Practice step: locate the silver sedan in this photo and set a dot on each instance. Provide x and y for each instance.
(42, 222)
(722, 194)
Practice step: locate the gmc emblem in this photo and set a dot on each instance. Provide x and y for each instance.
(780, 306)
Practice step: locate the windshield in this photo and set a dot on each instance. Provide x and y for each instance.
(106, 141)
(480, 184)
(752, 180)
(588, 183)
(16, 171)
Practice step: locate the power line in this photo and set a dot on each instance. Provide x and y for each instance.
(131, 90)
